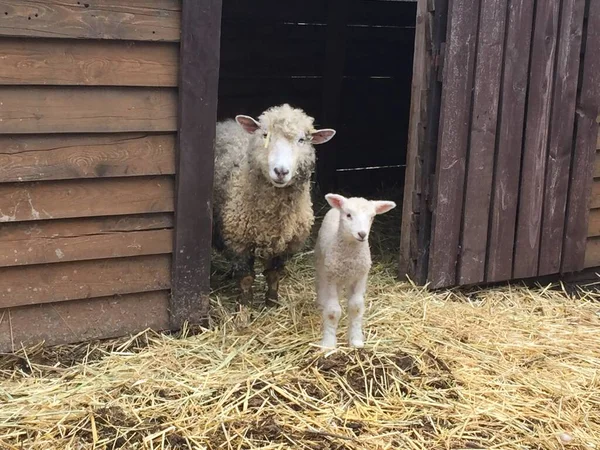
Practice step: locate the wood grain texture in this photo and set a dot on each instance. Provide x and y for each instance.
(87, 63)
(87, 110)
(595, 194)
(138, 20)
(198, 93)
(560, 146)
(83, 320)
(454, 132)
(482, 145)
(592, 253)
(593, 229)
(596, 159)
(85, 198)
(586, 135)
(61, 157)
(31, 285)
(541, 80)
(505, 193)
(38, 250)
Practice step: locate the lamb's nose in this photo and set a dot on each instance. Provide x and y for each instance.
(281, 172)
(362, 234)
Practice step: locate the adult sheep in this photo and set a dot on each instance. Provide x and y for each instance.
(262, 199)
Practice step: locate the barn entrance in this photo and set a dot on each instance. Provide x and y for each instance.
(347, 63)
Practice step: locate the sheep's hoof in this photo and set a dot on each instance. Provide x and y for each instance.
(272, 301)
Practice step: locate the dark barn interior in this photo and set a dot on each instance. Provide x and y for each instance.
(346, 63)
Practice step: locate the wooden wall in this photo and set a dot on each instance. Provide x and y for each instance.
(88, 119)
(592, 251)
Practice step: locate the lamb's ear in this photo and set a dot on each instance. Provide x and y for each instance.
(383, 206)
(322, 136)
(248, 123)
(335, 200)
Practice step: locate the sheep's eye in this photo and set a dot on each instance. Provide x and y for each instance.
(265, 135)
(301, 140)
(349, 216)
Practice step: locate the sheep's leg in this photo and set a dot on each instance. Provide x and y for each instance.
(356, 310)
(331, 311)
(244, 273)
(273, 268)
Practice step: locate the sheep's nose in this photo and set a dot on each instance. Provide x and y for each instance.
(281, 172)
(362, 234)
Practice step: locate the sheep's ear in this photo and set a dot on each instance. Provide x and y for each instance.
(247, 123)
(335, 200)
(322, 136)
(383, 206)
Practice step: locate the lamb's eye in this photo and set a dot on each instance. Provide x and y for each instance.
(349, 216)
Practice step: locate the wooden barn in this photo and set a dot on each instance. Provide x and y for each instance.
(480, 116)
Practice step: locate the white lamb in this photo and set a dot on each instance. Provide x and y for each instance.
(343, 260)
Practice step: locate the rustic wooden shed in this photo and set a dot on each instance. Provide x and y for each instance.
(483, 113)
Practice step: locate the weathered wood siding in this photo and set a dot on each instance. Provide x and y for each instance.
(592, 251)
(88, 121)
(518, 126)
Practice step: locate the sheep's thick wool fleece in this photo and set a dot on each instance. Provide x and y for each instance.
(343, 262)
(254, 215)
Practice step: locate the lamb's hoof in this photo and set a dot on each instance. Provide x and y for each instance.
(357, 343)
(328, 344)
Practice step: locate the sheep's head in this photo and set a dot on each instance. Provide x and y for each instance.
(357, 214)
(282, 143)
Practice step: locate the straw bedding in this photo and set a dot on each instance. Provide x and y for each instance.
(507, 368)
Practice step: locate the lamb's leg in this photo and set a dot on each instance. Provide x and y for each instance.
(273, 269)
(243, 269)
(356, 310)
(328, 302)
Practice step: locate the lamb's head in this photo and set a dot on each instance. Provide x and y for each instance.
(357, 214)
(281, 146)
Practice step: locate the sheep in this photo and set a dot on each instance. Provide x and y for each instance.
(343, 261)
(262, 192)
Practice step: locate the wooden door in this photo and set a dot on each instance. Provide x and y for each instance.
(517, 130)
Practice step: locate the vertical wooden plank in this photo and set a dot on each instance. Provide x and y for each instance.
(505, 195)
(198, 87)
(588, 115)
(420, 79)
(561, 135)
(453, 142)
(543, 56)
(333, 77)
(488, 71)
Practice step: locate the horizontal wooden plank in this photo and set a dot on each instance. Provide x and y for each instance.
(595, 198)
(83, 320)
(86, 110)
(137, 20)
(87, 63)
(85, 198)
(47, 283)
(592, 252)
(62, 157)
(87, 247)
(594, 223)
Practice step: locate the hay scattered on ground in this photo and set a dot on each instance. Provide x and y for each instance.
(505, 368)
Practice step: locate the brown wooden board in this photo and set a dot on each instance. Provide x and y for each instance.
(453, 142)
(592, 253)
(595, 194)
(87, 63)
(198, 89)
(82, 320)
(138, 20)
(86, 110)
(505, 191)
(537, 132)
(596, 160)
(60, 157)
(560, 146)
(37, 250)
(482, 144)
(85, 198)
(30, 285)
(593, 229)
(586, 136)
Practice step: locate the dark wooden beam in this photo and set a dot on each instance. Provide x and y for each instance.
(198, 88)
